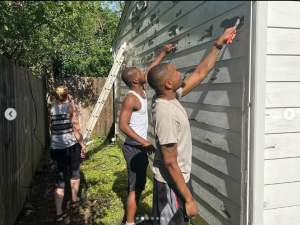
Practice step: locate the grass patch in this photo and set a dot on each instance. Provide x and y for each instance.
(106, 191)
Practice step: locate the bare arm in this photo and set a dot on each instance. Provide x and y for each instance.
(207, 64)
(170, 153)
(73, 114)
(167, 49)
(129, 105)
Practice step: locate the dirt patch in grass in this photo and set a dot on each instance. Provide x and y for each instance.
(104, 190)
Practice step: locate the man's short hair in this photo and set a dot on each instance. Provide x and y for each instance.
(158, 75)
(128, 75)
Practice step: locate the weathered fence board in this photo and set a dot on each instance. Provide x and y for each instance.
(19, 149)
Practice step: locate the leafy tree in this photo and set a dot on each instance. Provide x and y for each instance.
(65, 38)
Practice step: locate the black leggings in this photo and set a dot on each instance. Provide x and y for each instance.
(64, 158)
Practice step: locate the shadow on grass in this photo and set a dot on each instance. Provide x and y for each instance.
(120, 188)
(97, 149)
(43, 203)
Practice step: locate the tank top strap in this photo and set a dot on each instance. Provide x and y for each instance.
(141, 99)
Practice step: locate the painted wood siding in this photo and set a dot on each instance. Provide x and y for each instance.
(216, 108)
(282, 139)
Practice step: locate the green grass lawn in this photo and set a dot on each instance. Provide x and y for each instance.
(106, 191)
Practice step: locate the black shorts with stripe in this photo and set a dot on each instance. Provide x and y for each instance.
(137, 162)
(168, 204)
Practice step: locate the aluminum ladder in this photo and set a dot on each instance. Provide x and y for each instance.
(104, 93)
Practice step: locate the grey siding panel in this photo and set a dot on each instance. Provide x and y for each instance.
(215, 108)
(282, 136)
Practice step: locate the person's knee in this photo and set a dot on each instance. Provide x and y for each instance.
(60, 184)
(75, 175)
(61, 180)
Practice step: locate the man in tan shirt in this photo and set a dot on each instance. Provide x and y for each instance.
(173, 201)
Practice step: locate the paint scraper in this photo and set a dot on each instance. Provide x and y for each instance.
(236, 25)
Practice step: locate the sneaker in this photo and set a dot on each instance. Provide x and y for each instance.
(60, 217)
(81, 199)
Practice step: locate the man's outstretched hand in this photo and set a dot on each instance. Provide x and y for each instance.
(226, 35)
(168, 48)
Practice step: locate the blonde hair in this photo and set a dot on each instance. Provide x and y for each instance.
(60, 93)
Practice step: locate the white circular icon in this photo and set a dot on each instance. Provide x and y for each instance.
(10, 114)
(289, 114)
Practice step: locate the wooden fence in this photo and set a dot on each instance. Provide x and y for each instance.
(85, 92)
(20, 151)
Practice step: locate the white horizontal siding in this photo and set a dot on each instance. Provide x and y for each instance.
(282, 94)
(283, 68)
(283, 216)
(282, 195)
(282, 170)
(282, 145)
(284, 14)
(282, 157)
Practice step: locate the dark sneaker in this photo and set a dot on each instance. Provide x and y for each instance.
(81, 199)
(60, 217)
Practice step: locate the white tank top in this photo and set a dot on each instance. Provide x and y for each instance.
(139, 120)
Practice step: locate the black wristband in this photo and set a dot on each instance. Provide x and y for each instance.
(217, 46)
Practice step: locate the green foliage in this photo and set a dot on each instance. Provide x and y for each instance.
(64, 37)
(106, 191)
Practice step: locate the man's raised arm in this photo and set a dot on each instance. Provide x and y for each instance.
(167, 49)
(207, 64)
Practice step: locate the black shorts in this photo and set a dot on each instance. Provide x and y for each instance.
(168, 204)
(64, 158)
(137, 162)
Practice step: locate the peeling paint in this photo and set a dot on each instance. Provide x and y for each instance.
(188, 35)
(187, 72)
(227, 23)
(209, 33)
(149, 57)
(151, 42)
(213, 78)
(135, 20)
(217, 70)
(153, 16)
(180, 28)
(143, 46)
(137, 30)
(177, 14)
(225, 211)
(189, 43)
(172, 31)
(143, 60)
(206, 139)
(157, 21)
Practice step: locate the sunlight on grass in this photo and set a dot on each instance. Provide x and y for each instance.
(106, 191)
